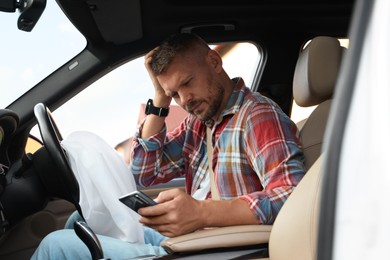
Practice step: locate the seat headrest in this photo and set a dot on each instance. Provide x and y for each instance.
(316, 71)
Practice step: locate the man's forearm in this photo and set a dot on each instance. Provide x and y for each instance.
(153, 124)
(177, 213)
(219, 213)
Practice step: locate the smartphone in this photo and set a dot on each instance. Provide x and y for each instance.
(136, 200)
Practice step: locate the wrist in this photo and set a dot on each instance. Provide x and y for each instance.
(204, 213)
(162, 101)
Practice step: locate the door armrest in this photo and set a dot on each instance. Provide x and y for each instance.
(233, 236)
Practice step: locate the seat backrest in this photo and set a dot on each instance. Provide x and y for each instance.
(294, 233)
(314, 80)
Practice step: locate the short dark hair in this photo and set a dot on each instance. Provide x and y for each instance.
(171, 46)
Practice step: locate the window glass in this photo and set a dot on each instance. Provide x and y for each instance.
(26, 59)
(241, 60)
(32, 145)
(112, 106)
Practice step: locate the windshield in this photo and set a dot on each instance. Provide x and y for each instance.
(26, 59)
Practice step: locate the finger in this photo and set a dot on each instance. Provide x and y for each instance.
(148, 60)
(153, 211)
(163, 229)
(150, 53)
(153, 221)
(167, 234)
(148, 65)
(168, 195)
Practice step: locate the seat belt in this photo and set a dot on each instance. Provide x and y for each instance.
(209, 146)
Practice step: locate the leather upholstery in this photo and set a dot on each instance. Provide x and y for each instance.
(312, 133)
(316, 71)
(294, 233)
(224, 237)
(314, 80)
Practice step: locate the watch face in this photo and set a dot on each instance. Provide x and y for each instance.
(148, 106)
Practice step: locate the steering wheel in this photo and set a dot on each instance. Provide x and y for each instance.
(65, 183)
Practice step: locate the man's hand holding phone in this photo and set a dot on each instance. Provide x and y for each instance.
(173, 213)
(176, 213)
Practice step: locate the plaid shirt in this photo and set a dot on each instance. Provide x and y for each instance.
(257, 155)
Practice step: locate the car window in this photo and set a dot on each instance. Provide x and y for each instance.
(112, 106)
(26, 59)
(33, 144)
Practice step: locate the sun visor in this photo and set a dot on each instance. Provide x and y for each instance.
(119, 21)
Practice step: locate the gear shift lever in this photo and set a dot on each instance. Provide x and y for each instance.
(85, 233)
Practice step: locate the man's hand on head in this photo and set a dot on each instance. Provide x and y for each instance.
(160, 99)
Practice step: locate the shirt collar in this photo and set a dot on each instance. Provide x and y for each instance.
(236, 99)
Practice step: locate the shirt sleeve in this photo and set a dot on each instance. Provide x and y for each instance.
(274, 150)
(151, 163)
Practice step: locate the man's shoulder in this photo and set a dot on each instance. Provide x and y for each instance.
(255, 100)
(256, 106)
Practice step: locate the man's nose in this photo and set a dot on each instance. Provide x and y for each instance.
(185, 98)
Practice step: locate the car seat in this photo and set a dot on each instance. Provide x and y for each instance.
(294, 233)
(314, 80)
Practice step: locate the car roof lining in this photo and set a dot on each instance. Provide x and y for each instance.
(116, 17)
(121, 22)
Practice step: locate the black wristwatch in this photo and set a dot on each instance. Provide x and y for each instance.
(158, 111)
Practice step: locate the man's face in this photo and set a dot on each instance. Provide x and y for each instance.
(194, 84)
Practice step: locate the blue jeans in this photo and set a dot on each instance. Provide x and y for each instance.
(65, 244)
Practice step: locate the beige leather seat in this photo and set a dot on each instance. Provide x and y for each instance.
(293, 235)
(314, 80)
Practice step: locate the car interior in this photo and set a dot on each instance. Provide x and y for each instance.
(302, 55)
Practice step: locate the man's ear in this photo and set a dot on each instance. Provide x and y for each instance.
(215, 60)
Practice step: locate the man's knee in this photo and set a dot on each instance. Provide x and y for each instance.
(75, 216)
(61, 244)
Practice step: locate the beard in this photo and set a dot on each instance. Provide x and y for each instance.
(214, 101)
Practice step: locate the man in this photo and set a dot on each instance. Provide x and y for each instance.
(256, 155)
